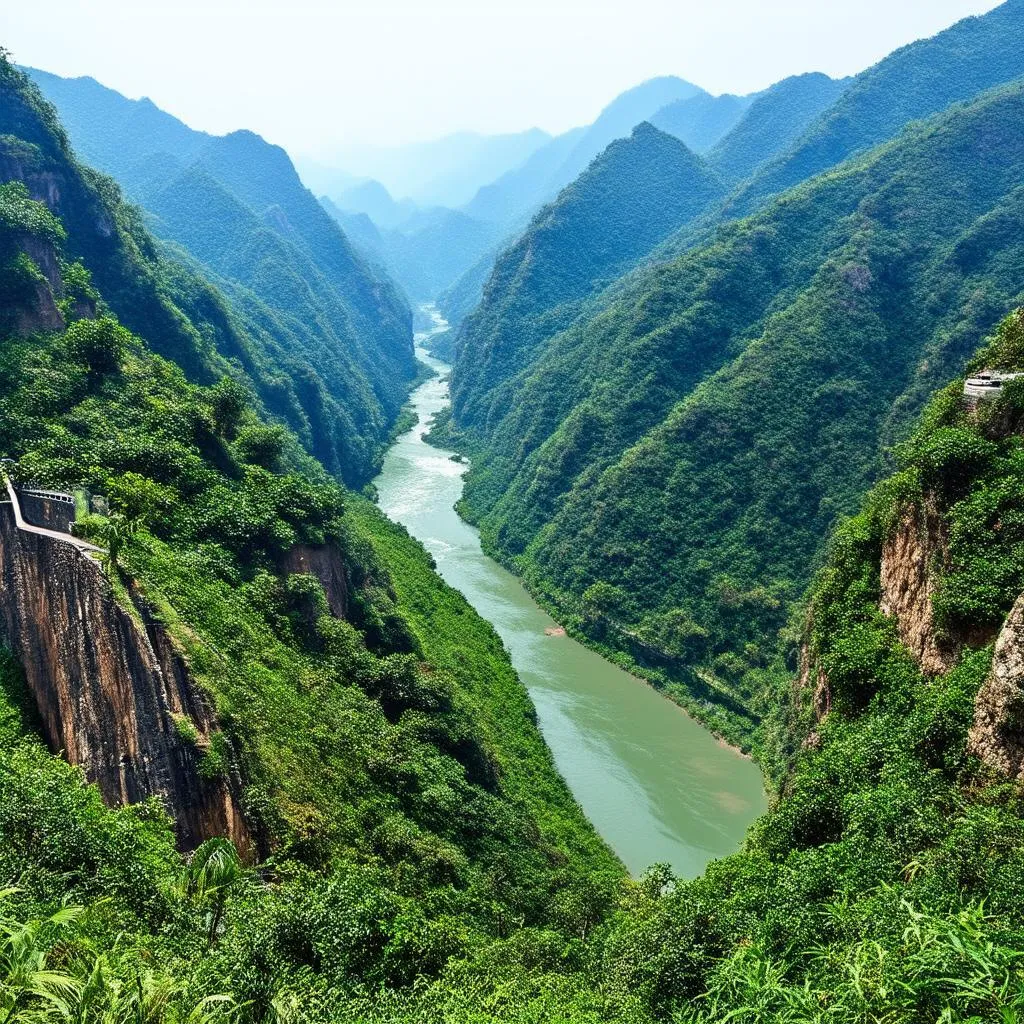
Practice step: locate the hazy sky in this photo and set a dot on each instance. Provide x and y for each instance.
(310, 74)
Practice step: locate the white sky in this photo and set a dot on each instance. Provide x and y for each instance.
(310, 74)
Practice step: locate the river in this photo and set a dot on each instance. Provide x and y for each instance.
(657, 786)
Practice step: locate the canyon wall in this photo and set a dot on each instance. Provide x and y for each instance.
(113, 693)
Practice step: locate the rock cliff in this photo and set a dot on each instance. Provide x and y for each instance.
(908, 583)
(325, 563)
(997, 736)
(113, 693)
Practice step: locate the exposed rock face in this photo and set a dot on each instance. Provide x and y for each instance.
(813, 679)
(325, 563)
(908, 586)
(37, 309)
(113, 693)
(997, 736)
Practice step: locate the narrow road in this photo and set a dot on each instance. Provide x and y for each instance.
(41, 530)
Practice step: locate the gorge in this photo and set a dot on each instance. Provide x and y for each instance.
(640, 642)
(658, 786)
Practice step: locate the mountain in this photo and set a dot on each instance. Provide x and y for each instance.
(671, 461)
(259, 764)
(519, 193)
(620, 117)
(460, 298)
(773, 122)
(358, 228)
(913, 82)
(700, 121)
(441, 172)
(633, 195)
(436, 250)
(373, 199)
(260, 664)
(113, 131)
(336, 327)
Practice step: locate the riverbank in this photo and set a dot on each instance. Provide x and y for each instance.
(657, 786)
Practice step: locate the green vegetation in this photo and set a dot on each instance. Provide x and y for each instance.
(390, 759)
(773, 122)
(664, 472)
(632, 196)
(883, 885)
(323, 338)
(701, 120)
(690, 444)
(913, 82)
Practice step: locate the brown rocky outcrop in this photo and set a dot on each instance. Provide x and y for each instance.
(37, 309)
(325, 563)
(997, 735)
(113, 693)
(812, 679)
(908, 584)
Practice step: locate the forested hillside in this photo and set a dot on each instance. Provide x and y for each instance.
(427, 863)
(917, 80)
(770, 124)
(663, 472)
(333, 333)
(518, 194)
(701, 121)
(389, 758)
(633, 195)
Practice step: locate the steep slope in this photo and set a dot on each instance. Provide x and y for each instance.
(524, 188)
(517, 194)
(359, 228)
(664, 470)
(461, 297)
(773, 122)
(111, 131)
(633, 195)
(702, 120)
(373, 199)
(343, 386)
(883, 882)
(435, 250)
(384, 750)
(913, 82)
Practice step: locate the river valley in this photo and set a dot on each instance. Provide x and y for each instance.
(657, 786)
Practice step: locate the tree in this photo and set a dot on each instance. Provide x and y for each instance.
(100, 344)
(29, 988)
(116, 530)
(261, 446)
(212, 873)
(228, 401)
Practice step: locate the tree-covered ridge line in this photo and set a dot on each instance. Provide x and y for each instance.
(664, 436)
(633, 195)
(327, 337)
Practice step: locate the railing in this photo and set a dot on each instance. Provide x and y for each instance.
(42, 531)
(38, 492)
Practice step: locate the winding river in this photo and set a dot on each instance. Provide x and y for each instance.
(657, 786)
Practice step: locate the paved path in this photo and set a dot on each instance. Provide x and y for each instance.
(41, 530)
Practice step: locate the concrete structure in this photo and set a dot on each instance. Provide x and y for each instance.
(51, 499)
(988, 383)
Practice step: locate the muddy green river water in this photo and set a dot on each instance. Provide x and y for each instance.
(656, 785)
